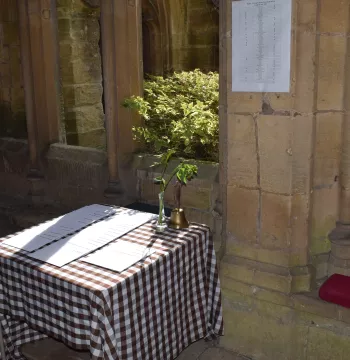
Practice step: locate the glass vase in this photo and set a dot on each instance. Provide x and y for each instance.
(161, 224)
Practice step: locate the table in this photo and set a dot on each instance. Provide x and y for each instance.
(152, 310)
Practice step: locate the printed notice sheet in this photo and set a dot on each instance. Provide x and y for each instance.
(119, 256)
(40, 235)
(261, 43)
(92, 238)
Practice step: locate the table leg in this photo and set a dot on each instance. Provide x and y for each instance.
(2, 347)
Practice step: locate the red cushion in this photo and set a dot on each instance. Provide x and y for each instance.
(336, 290)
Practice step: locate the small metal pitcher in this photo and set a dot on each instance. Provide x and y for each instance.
(178, 219)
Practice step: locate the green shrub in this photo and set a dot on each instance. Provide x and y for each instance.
(181, 113)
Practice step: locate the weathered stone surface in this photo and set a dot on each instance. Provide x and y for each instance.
(84, 118)
(191, 41)
(81, 74)
(50, 349)
(324, 217)
(345, 201)
(201, 217)
(327, 149)
(10, 32)
(242, 213)
(244, 102)
(301, 152)
(264, 334)
(81, 71)
(320, 263)
(220, 354)
(341, 249)
(299, 223)
(338, 266)
(279, 101)
(81, 95)
(242, 151)
(292, 331)
(324, 345)
(307, 15)
(275, 221)
(275, 142)
(331, 73)
(196, 198)
(334, 19)
(279, 257)
(266, 276)
(195, 350)
(95, 139)
(12, 108)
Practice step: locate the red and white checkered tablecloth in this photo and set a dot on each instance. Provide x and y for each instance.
(152, 310)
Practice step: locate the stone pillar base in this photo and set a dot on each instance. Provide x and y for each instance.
(339, 260)
(286, 280)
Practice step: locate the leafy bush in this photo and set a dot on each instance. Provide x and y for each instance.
(181, 113)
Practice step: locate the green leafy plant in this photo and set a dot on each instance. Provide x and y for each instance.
(184, 172)
(180, 113)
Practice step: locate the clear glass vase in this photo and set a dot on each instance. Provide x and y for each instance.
(161, 224)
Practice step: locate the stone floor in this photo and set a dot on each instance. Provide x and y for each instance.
(202, 350)
(51, 350)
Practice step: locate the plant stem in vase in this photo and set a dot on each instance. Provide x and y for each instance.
(161, 224)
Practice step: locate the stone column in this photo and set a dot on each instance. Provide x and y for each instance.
(331, 144)
(339, 134)
(122, 77)
(38, 30)
(280, 173)
(266, 147)
(344, 179)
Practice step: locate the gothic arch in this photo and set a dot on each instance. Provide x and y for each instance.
(156, 36)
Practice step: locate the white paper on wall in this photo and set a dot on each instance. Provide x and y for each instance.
(261, 45)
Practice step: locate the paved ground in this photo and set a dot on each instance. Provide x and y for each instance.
(202, 350)
(49, 350)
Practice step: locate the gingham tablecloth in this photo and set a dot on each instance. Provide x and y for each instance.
(152, 310)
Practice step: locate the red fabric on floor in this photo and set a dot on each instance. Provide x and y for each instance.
(336, 290)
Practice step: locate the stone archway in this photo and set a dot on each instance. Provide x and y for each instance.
(156, 37)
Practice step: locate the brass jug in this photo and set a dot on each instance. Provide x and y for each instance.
(178, 219)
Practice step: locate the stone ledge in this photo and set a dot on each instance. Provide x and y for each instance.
(208, 172)
(341, 248)
(283, 279)
(278, 257)
(304, 302)
(13, 145)
(76, 153)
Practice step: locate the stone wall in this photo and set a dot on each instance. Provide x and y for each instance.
(180, 35)
(195, 39)
(284, 174)
(81, 74)
(187, 33)
(199, 198)
(12, 108)
(74, 175)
